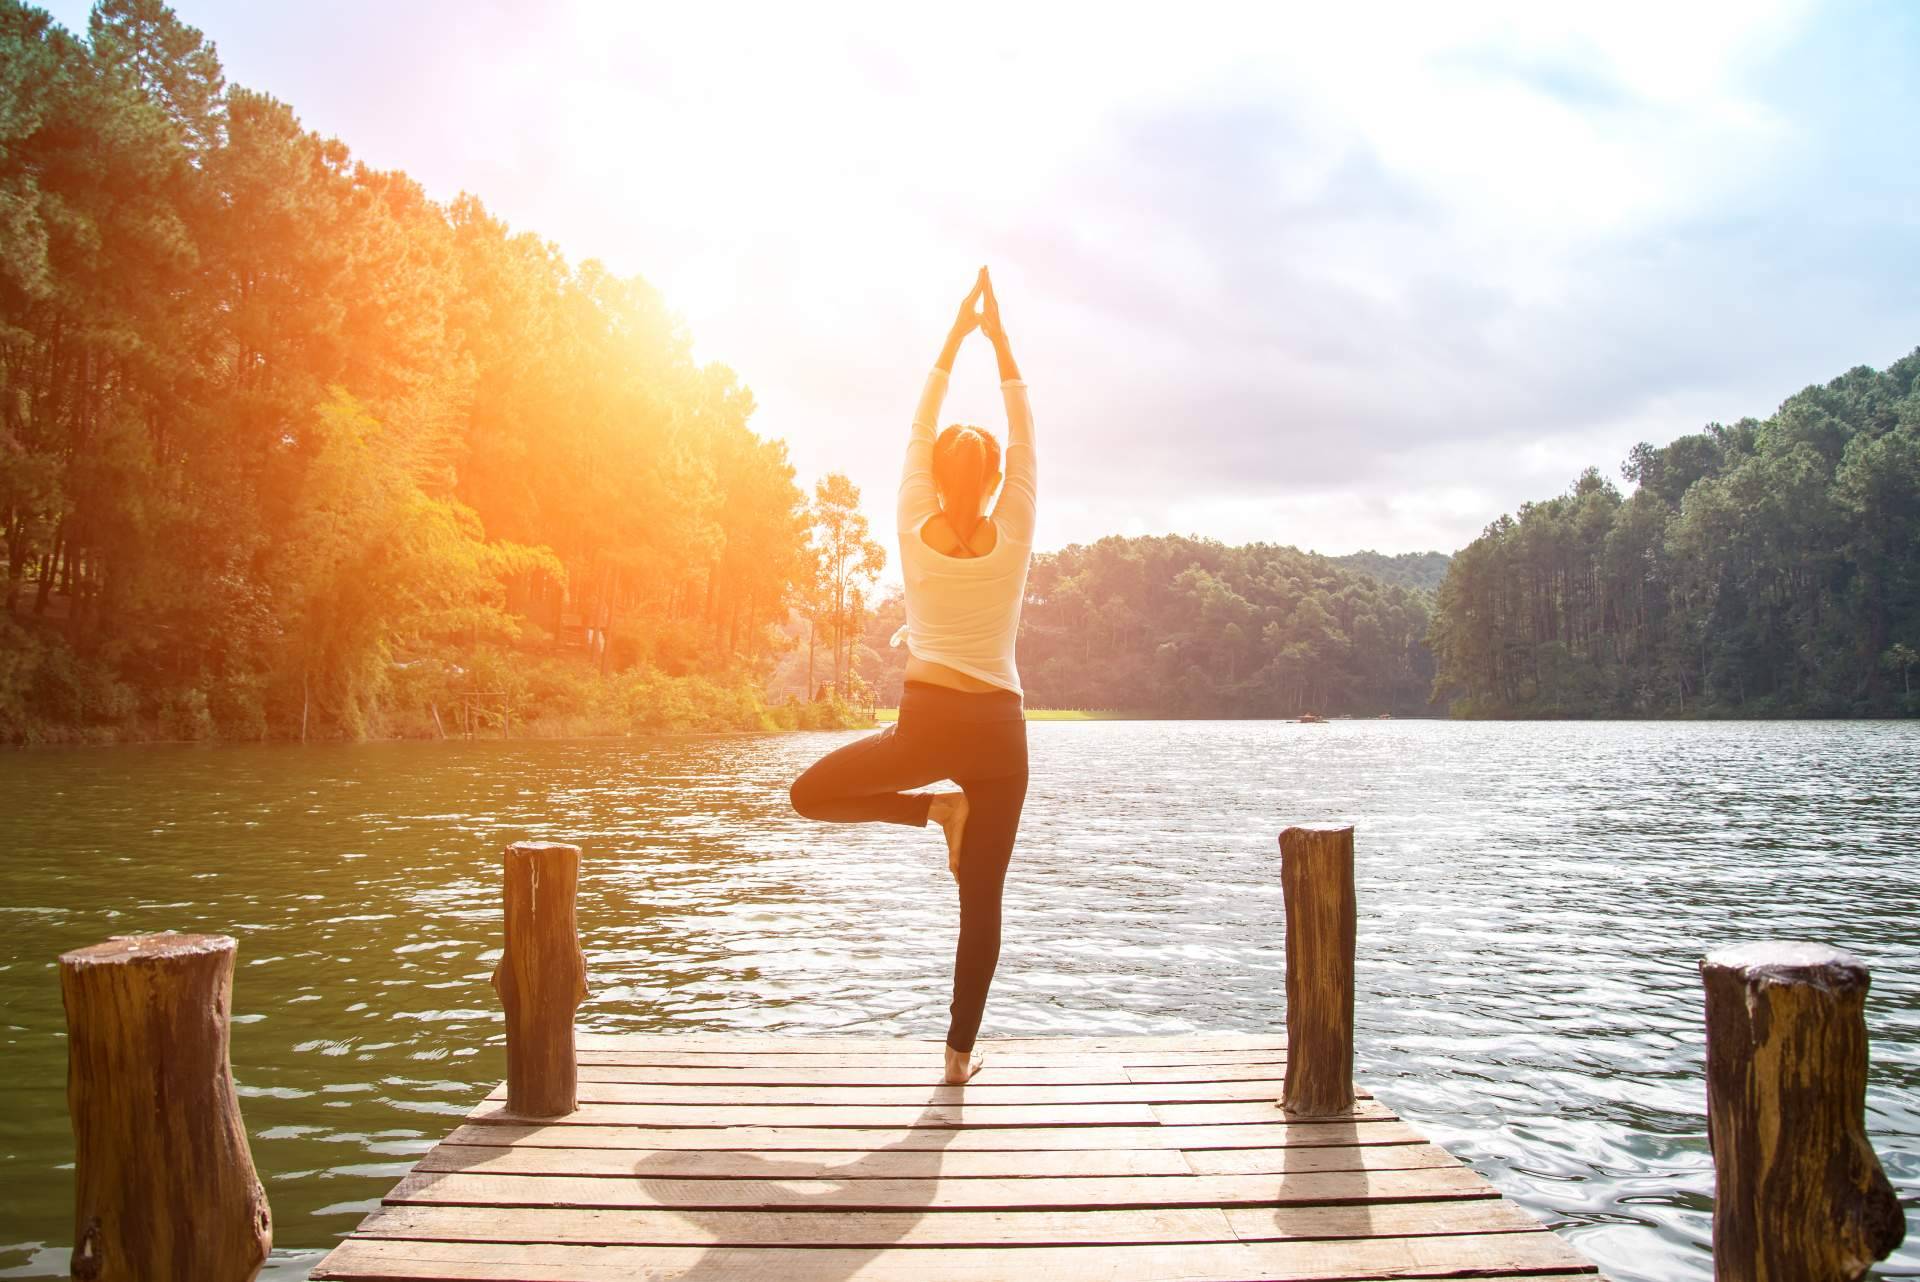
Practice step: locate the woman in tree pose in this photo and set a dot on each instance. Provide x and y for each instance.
(960, 710)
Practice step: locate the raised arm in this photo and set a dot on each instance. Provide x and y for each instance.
(918, 498)
(963, 324)
(1019, 498)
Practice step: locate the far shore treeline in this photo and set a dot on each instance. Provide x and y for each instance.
(289, 450)
(1766, 569)
(1184, 627)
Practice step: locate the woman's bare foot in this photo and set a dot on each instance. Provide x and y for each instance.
(962, 1065)
(949, 810)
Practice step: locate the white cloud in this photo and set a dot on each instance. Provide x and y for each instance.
(1343, 275)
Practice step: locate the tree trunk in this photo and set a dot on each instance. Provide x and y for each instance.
(541, 978)
(1316, 877)
(1799, 1195)
(165, 1189)
(853, 639)
(16, 560)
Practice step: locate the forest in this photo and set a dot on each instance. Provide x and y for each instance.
(1770, 568)
(1188, 627)
(1422, 571)
(288, 449)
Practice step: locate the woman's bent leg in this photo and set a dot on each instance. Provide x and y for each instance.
(866, 782)
(992, 822)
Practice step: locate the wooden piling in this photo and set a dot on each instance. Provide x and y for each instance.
(1799, 1195)
(1316, 876)
(165, 1185)
(541, 978)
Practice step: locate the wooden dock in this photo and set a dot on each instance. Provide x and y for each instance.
(798, 1159)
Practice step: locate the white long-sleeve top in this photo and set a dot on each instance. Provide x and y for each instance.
(963, 611)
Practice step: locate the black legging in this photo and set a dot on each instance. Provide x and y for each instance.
(980, 742)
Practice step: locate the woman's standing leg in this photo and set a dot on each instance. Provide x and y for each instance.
(993, 820)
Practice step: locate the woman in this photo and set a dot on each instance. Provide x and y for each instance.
(960, 710)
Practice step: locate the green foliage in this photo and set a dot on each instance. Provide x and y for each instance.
(47, 696)
(558, 697)
(1765, 569)
(1182, 627)
(273, 422)
(845, 561)
(1421, 571)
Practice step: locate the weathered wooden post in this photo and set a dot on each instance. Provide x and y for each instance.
(1316, 877)
(1798, 1194)
(541, 978)
(165, 1185)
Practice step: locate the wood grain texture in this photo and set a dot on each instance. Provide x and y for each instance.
(165, 1189)
(982, 1091)
(1278, 1133)
(364, 1259)
(771, 1189)
(1364, 1110)
(948, 1228)
(1316, 877)
(1799, 1193)
(1096, 1160)
(541, 977)
(913, 1056)
(891, 1115)
(802, 1164)
(923, 1072)
(932, 1163)
(801, 1044)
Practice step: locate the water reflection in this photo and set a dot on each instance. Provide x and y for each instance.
(1533, 898)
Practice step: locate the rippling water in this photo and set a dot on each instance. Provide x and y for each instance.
(1533, 900)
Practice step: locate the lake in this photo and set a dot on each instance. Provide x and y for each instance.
(1534, 899)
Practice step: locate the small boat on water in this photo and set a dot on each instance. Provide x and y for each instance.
(1312, 719)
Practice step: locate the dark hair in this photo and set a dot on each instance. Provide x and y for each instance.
(965, 459)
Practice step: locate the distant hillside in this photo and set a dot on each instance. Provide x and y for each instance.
(1187, 627)
(1421, 571)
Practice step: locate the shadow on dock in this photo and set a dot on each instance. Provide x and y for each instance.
(879, 1232)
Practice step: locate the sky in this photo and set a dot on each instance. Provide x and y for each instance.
(1342, 276)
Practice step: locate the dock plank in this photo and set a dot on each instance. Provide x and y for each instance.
(977, 1092)
(930, 1057)
(1277, 1133)
(790, 1159)
(932, 1115)
(794, 1044)
(643, 1189)
(949, 1228)
(905, 1071)
(922, 1164)
(1251, 1111)
(747, 1164)
(364, 1259)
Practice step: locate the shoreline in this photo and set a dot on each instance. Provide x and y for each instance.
(889, 716)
